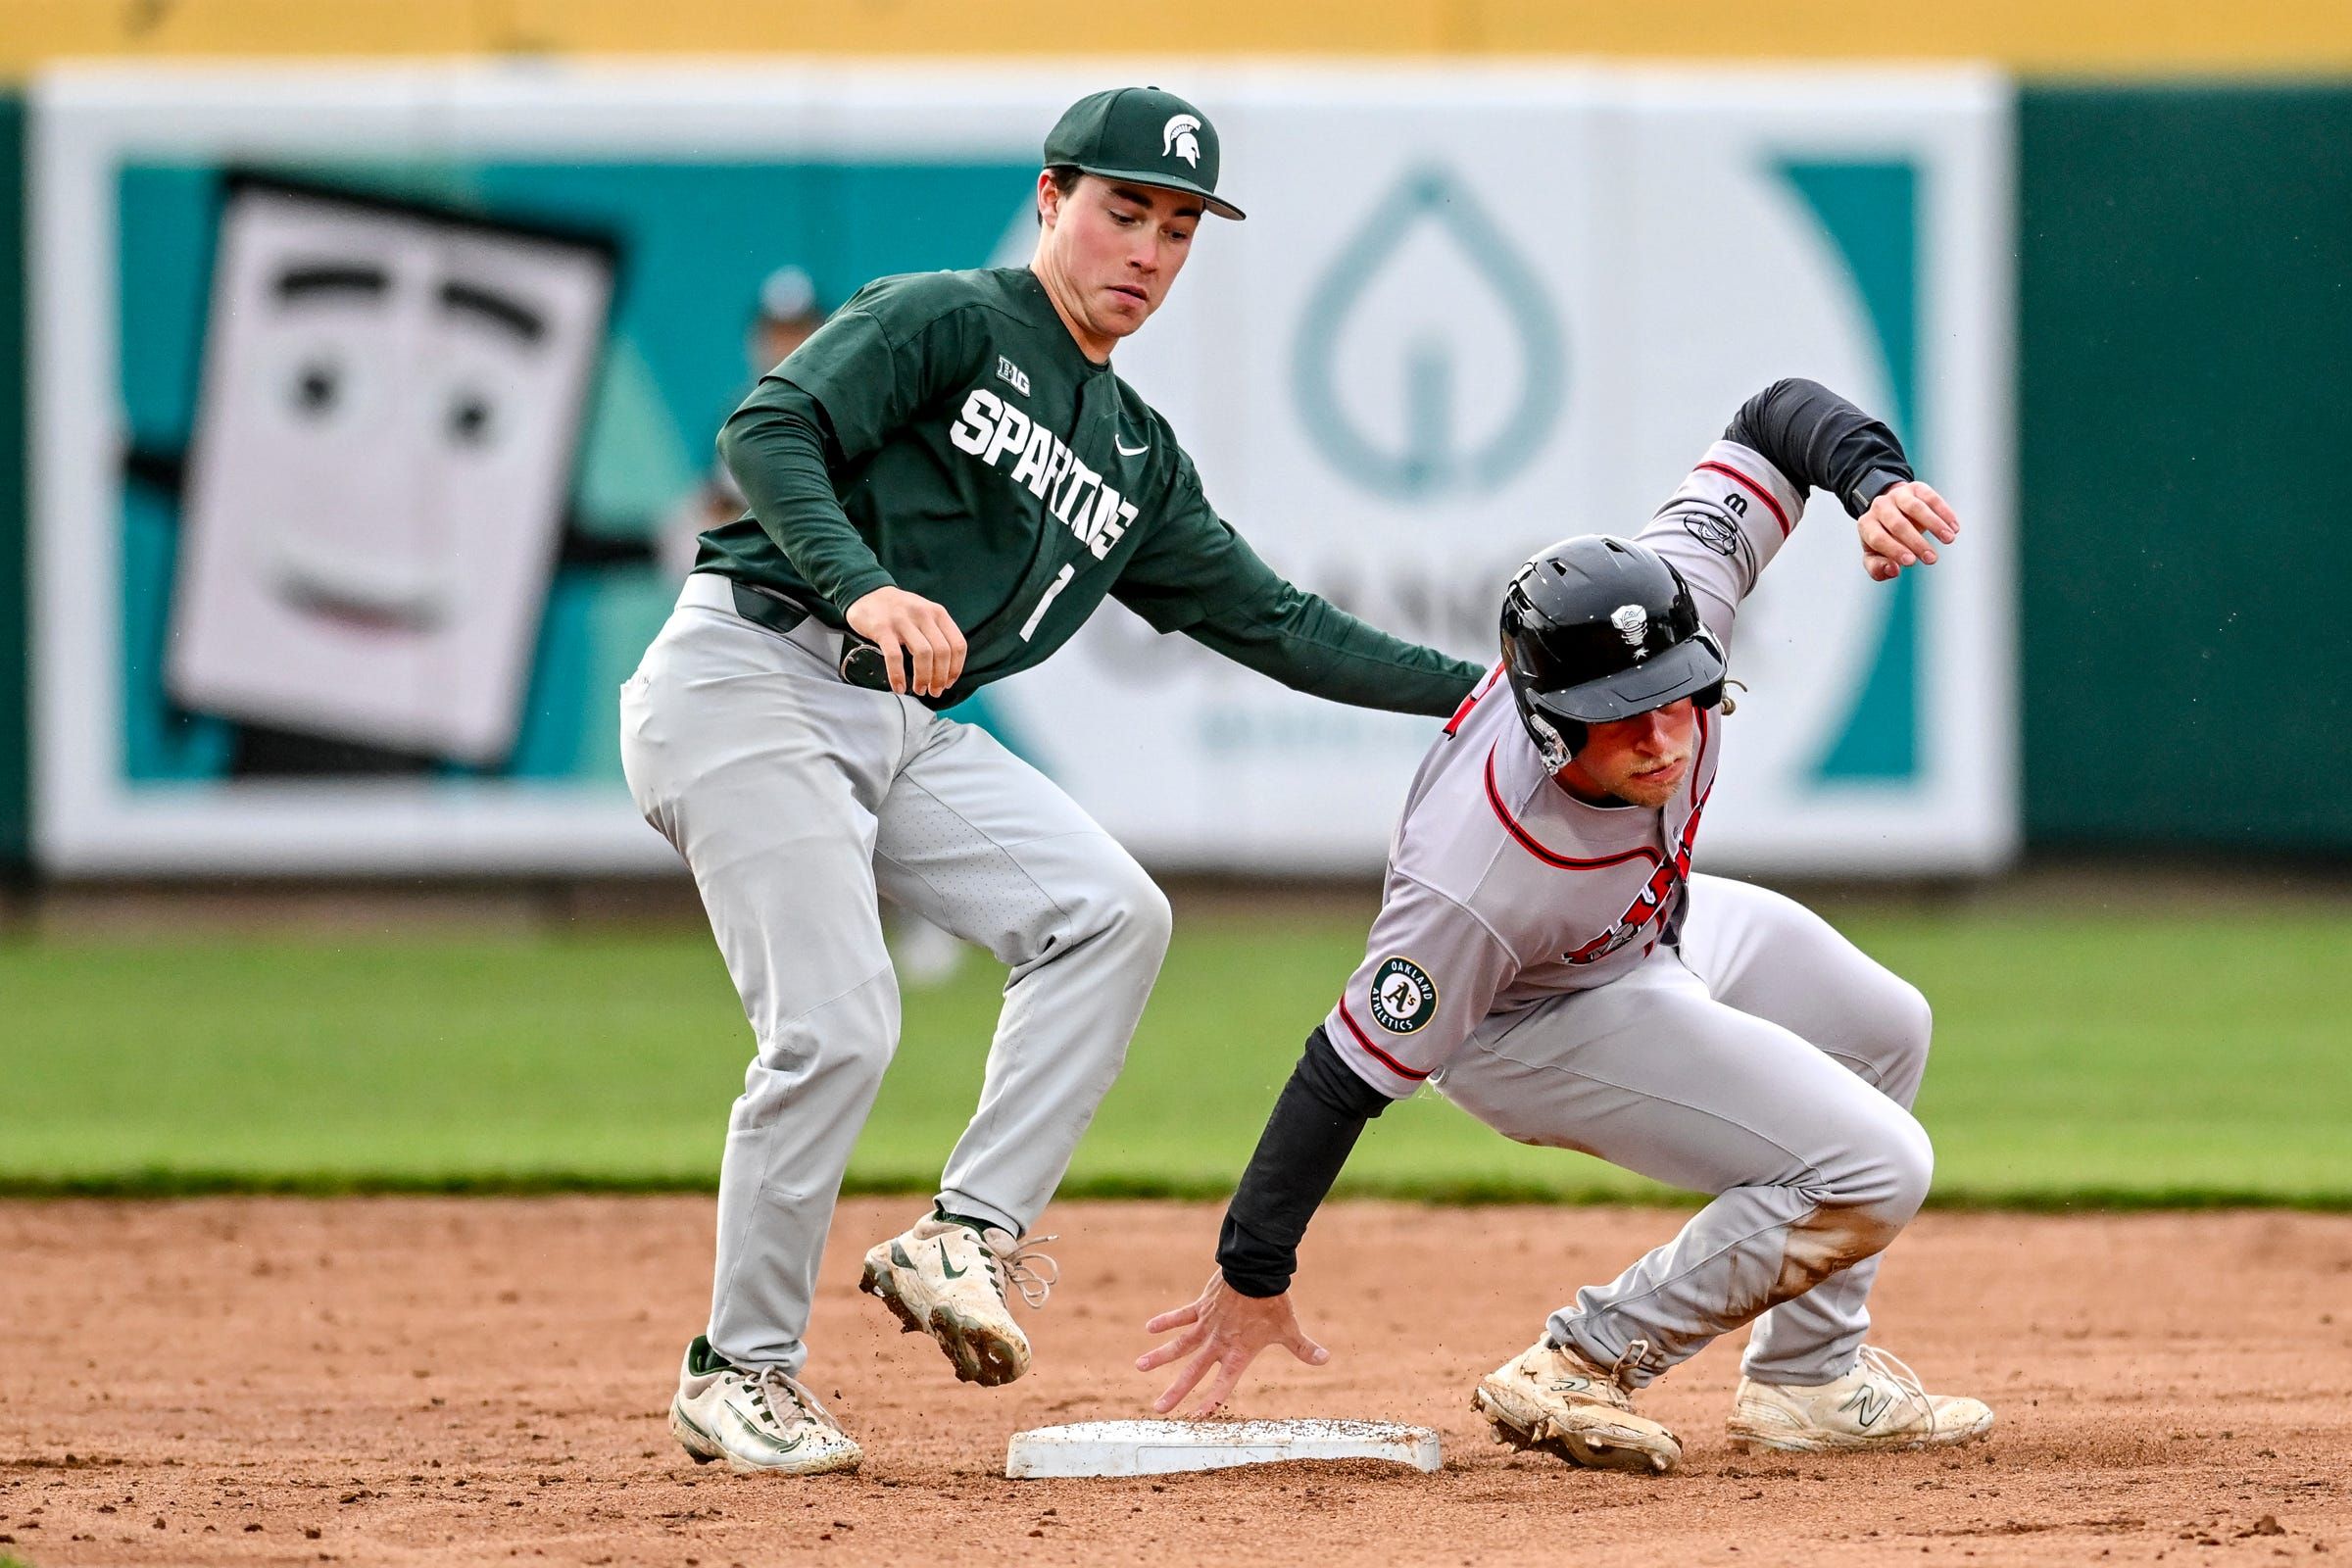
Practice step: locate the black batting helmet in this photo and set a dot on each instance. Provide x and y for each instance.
(1595, 629)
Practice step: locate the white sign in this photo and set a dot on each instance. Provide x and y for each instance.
(384, 442)
(1474, 310)
(1473, 313)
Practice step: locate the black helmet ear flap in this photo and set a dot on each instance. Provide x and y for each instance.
(1557, 741)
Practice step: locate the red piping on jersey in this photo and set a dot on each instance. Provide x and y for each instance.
(1761, 494)
(1364, 1039)
(1527, 841)
(1649, 904)
(1468, 702)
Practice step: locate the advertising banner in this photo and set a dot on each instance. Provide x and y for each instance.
(375, 411)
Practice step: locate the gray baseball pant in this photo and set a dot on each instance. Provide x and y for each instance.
(1770, 1063)
(794, 798)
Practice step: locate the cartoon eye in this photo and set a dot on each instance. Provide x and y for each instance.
(469, 420)
(317, 388)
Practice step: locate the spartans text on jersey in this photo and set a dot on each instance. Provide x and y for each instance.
(993, 430)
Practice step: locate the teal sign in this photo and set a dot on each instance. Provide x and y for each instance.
(695, 240)
(1870, 213)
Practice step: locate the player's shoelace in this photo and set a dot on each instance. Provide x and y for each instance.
(1635, 1352)
(1028, 1270)
(1616, 1392)
(1893, 1370)
(798, 1404)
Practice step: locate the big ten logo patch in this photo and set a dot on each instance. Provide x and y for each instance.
(1404, 997)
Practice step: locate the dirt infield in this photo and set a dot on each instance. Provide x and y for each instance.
(481, 1381)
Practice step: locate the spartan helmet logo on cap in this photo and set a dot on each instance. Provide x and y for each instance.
(1176, 136)
(1633, 624)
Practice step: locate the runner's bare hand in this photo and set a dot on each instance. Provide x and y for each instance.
(892, 619)
(1227, 1330)
(1902, 527)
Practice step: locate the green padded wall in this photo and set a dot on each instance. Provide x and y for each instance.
(2185, 423)
(15, 809)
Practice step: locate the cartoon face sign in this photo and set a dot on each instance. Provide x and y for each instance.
(391, 399)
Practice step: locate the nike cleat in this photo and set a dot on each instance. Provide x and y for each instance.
(946, 1279)
(759, 1420)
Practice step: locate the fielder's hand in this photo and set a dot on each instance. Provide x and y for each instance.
(892, 619)
(1228, 1329)
(1900, 527)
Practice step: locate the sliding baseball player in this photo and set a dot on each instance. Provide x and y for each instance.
(1546, 958)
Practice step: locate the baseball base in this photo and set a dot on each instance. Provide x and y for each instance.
(1163, 1448)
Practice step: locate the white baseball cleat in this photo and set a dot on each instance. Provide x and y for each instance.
(946, 1279)
(1879, 1404)
(1553, 1399)
(759, 1419)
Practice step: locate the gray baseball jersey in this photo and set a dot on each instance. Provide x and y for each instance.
(1477, 917)
(1547, 965)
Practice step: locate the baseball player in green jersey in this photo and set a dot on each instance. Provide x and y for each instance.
(944, 483)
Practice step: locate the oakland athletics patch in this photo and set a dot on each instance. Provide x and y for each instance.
(1404, 997)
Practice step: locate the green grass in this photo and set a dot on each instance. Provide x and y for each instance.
(2079, 1058)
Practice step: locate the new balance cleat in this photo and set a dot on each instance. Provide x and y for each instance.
(1879, 1404)
(1550, 1397)
(757, 1419)
(947, 1279)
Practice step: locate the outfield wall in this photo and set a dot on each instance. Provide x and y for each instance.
(15, 820)
(2184, 337)
(2032, 36)
(1396, 390)
(2181, 325)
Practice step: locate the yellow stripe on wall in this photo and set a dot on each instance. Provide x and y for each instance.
(2157, 36)
(2168, 36)
(33, 31)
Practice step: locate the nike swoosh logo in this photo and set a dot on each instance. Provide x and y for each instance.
(775, 1442)
(1126, 451)
(948, 1268)
(751, 1433)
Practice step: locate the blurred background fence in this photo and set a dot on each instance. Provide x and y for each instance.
(1479, 305)
(1509, 265)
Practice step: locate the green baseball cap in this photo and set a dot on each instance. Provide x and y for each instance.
(1145, 135)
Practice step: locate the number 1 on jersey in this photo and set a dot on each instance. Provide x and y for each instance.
(1061, 581)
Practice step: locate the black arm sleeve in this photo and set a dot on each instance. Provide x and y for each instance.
(1316, 1123)
(1818, 439)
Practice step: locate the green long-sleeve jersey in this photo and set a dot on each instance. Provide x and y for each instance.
(945, 434)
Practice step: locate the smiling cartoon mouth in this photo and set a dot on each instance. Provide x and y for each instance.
(381, 595)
